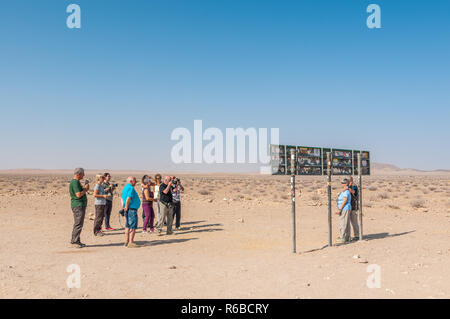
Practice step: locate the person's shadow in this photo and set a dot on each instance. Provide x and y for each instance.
(365, 237)
(145, 243)
(199, 229)
(385, 235)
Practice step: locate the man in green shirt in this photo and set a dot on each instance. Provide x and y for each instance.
(78, 204)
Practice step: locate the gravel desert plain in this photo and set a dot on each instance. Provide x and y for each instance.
(234, 241)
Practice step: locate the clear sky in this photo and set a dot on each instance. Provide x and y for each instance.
(108, 95)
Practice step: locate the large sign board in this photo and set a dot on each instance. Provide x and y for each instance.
(313, 160)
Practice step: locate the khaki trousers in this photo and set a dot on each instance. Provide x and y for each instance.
(166, 213)
(346, 218)
(354, 222)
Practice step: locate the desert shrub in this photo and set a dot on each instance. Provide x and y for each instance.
(204, 192)
(372, 188)
(284, 196)
(432, 188)
(418, 203)
(383, 196)
(393, 207)
(315, 197)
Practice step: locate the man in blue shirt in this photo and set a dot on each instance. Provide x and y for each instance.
(131, 204)
(344, 211)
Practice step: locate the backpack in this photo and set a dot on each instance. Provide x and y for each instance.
(354, 201)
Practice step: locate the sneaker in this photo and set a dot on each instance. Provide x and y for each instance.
(133, 245)
(355, 238)
(125, 245)
(171, 233)
(76, 245)
(177, 228)
(152, 230)
(110, 228)
(340, 240)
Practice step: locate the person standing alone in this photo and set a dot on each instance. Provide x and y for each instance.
(78, 203)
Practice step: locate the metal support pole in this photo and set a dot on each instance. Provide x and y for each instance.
(330, 241)
(293, 199)
(360, 198)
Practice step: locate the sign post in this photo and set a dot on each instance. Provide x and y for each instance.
(330, 241)
(360, 198)
(293, 199)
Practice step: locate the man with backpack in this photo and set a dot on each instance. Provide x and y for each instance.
(353, 189)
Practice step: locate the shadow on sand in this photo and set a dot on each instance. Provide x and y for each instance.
(365, 238)
(145, 243)
(385, 235)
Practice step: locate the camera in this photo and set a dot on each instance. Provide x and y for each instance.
(175, 180)
(86, 182)
(122, 212)
(115, 185)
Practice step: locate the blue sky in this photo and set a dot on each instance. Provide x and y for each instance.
(108, 95)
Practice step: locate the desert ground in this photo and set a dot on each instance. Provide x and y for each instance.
(234, 241)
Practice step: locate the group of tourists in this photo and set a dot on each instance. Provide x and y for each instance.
(165, 194)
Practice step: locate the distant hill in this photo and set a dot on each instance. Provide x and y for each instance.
(389, 169)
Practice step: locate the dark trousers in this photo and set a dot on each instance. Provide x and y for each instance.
(78, 221)
(99, 215)
(108, 210)
(177, 213)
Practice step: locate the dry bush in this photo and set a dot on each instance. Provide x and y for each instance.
(432, 188)
(418, 203)
(204, 192)
(315, 197)
(372, 188)
(393, 207)
(383, 196)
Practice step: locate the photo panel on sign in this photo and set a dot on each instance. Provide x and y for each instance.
(309, 160)
(342, 163)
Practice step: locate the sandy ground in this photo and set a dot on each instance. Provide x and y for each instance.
(235, 242)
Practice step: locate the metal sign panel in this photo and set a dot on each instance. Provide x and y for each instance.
(313, 160)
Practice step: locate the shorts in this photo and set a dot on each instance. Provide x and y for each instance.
(132, 219)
